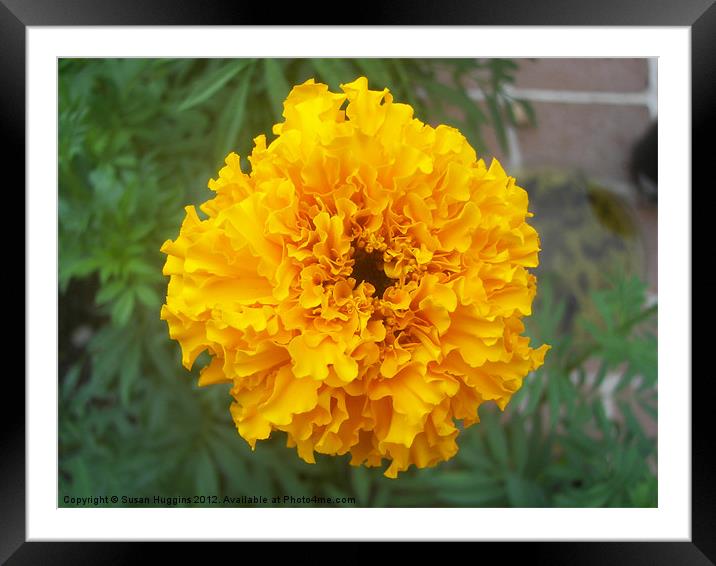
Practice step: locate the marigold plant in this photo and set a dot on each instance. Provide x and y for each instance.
(363, 287)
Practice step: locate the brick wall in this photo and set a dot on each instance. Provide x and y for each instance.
(590, 113)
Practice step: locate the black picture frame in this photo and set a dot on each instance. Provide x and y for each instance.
(16, 15)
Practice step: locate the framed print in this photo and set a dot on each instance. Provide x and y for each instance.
(405, 279)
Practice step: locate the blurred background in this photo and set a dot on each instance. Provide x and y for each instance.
(139, 139)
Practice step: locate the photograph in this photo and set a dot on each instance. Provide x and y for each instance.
(357, 282)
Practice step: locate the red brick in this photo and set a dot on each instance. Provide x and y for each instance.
(583, 74)
(596, 138)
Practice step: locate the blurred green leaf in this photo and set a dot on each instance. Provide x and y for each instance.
(212, 82)
(522, 493)
(129, 371)
(496, 440)
(518, 442)
(360, 479)
(122, 308)
(148, 296)
(276, 85)
(233, 117)
(207, 482)
(109, 291)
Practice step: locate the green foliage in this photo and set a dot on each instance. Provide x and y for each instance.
(138, 140)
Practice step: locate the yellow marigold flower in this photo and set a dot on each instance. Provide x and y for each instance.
(362, 287)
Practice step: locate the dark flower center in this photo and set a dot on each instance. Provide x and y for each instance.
(369, 267)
